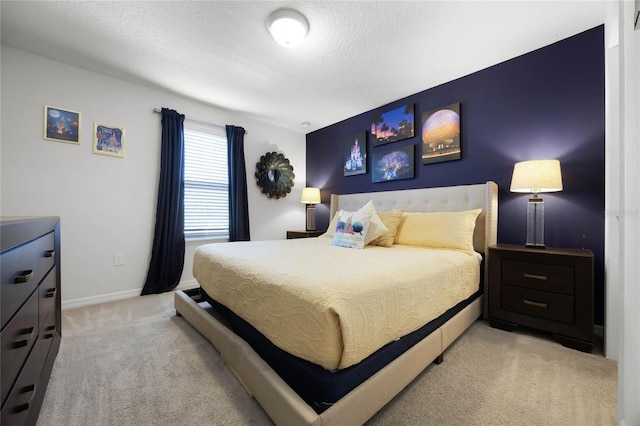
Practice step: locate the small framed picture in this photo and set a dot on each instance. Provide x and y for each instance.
(355, 154)
(61, 125)
(393, 164)
(108, 140)
(441, 134)
(393, 126)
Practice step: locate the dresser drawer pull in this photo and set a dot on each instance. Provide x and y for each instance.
(536, 304)
(23, 277)
(24, 342)
(50, 253)
(50, 292)
(51, 331)
(22, 407)
(536, 277)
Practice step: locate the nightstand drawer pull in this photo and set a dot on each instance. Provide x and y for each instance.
(535, 277)
(536, 304)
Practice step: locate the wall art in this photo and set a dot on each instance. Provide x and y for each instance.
(441, 134)
(355, 154)
(393, 164)
(393, 125)
(108, 140)
(61, 125)
(274, 175)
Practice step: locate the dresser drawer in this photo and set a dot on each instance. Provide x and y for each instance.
(17, 340)
(22, 268)
(47, 295)
(26, 396)
(538, 276)
(556, 307)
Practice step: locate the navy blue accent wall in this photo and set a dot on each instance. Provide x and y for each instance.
(548, 103)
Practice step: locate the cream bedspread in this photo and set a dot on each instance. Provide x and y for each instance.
(334, 306)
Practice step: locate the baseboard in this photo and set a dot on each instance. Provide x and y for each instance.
(110, 297)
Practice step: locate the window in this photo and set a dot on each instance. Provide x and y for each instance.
(206, 182)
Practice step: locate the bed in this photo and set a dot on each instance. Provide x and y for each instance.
(391, 357)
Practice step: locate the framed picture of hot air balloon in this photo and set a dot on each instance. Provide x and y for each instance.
(61, 125)
(393, 126)
(355, 154)
(108, 140)
(441, 134)
(393, 164)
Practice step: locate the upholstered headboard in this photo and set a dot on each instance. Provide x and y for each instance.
(442, 199)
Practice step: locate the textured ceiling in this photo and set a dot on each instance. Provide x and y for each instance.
(358, 55)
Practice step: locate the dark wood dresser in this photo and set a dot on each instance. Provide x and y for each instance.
(30, 313)
(303, 234)
(547, 289)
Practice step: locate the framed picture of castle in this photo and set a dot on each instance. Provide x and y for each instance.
(61, 125)
(108, 140)
(355, 154)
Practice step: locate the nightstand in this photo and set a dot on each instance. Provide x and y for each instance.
(303, 234)
(547, 289)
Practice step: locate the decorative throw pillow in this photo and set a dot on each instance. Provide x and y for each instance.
(391, 220)
(351, 229)
(452, 230)
(376, 226)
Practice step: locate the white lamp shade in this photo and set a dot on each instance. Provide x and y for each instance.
(311, 196)
(537, 176)
(288, 27)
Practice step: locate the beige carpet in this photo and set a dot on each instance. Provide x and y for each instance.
(134, 362)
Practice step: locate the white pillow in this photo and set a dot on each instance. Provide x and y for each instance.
(352, 229)
(376, 227)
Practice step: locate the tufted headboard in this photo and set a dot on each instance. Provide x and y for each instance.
(442, 199)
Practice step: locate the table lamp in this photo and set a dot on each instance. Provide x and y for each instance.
(311, 197)
(535, 177)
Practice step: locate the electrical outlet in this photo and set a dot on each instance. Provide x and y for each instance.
(118, 259)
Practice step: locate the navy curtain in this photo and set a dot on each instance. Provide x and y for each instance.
(238, 204)
(167, 253)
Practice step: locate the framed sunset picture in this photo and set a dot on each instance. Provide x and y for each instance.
(393, 126)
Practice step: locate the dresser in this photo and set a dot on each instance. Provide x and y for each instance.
(547, 289)
(30, 313)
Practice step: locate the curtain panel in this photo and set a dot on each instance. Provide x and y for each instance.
(167, 253)
(238, 204)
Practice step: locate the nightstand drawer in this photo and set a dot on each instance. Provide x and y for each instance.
(538, 276)
(556, 307)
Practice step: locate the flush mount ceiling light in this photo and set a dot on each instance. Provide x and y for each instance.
(288, 27)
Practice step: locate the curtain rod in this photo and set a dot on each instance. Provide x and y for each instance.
(200, 121)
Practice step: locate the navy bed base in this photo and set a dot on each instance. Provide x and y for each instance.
(318, 387)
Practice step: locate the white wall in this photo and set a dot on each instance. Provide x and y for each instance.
(106, 204)
(629, 172)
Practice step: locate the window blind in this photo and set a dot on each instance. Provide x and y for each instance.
(206, 182)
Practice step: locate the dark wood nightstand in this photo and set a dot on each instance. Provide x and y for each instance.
(303, 234)
(547, 289)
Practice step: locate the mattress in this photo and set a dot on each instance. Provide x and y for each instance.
(334, 306)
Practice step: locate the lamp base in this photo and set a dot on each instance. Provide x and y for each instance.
(537, 246)
(311, 217)
(535, 223)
